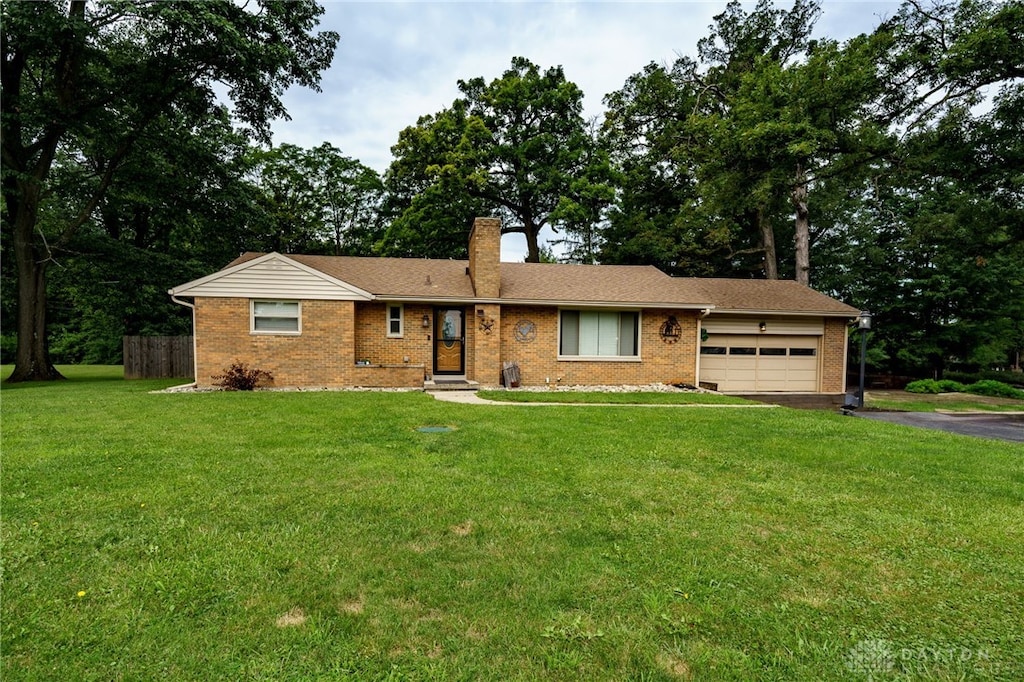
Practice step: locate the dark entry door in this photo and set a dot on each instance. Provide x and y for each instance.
(449, 341)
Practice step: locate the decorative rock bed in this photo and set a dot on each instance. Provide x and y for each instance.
(646, 388)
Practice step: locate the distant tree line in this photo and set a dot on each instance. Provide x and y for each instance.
(884, 170)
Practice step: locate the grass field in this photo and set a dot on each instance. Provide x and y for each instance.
(320, 536)
(951, 402)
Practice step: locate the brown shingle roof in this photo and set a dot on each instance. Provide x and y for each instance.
(400, 277)
(769, 295)
(629, 285)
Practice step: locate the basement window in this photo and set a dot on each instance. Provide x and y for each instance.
(276, 317)
(395, 321)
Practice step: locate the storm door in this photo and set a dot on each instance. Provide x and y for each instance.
(449, 341)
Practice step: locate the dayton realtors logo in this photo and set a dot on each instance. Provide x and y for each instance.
(876, 659)
(871, 657)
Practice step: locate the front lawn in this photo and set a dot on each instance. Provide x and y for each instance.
(299, 536)
(951, 402)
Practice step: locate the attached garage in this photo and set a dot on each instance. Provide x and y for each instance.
(739, 362)
(773, 354)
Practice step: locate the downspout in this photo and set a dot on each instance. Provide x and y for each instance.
(195, 360)
(696, 362)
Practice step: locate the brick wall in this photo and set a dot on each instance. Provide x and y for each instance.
(659, 361)
(485, 257)
(320, 356)
(389, 376)
(833, 356)
(371, 337)
(483, 357)
(337, 333)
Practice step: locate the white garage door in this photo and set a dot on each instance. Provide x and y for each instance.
(741, 362)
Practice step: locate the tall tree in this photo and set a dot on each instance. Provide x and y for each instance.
(695, 133)
(935, 241)
(657, 218)
(514, 146)
(315, 200)
(86, 80)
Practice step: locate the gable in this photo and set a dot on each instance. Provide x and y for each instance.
(272, 276)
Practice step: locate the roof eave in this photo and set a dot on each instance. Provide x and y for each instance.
(561, 303)
(786, 312)
(565, 303)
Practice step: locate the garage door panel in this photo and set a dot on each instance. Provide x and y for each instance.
(742, 362)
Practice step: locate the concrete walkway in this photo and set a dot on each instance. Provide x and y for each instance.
(471, 398)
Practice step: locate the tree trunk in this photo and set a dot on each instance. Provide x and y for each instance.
(532, 247)
(771, 262)
(531, 229)
(802, 229)
(32, 359)
(23, 195)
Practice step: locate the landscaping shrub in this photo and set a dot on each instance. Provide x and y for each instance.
(922, 386)
(950, 386)
(996, 389)
(987, 387)
(238, 377)
(1004, 375)
(933, 386)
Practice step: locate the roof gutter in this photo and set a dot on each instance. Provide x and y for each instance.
(546, 302)
(783, 313)
(174, 297)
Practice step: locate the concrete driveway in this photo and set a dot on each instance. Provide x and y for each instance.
(999, 425)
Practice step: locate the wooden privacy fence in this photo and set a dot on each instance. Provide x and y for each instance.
(158, 357)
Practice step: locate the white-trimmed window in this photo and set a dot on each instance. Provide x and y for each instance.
(396, 321)
(276, 317)
(599, 334)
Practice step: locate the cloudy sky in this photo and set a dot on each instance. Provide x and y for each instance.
(397, 61)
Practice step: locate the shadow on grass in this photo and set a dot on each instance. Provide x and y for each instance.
(77, 374)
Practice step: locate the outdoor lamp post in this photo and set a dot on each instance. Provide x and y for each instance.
(864, 324)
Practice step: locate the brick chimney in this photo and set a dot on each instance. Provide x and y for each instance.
(485, 257)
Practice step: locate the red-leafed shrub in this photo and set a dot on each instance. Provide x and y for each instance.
(238, 377)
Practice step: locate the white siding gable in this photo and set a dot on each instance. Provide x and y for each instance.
(272, 276)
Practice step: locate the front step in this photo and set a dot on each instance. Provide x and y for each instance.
(450, 385)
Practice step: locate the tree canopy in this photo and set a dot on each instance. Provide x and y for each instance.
(84, 85)
(517, 147)
(883, 169)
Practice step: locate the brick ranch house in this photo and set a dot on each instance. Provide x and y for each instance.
(327, 321)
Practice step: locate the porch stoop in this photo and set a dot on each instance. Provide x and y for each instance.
(450, 385)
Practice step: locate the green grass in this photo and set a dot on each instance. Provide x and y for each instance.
(952, 402)
(631, 398)
(319, 536)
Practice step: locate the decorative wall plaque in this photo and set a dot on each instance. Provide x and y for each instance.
(525, 331)
(671, 330)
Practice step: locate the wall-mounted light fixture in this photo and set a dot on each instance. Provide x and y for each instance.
(479, 312)
(763, 326)
(426, 320)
